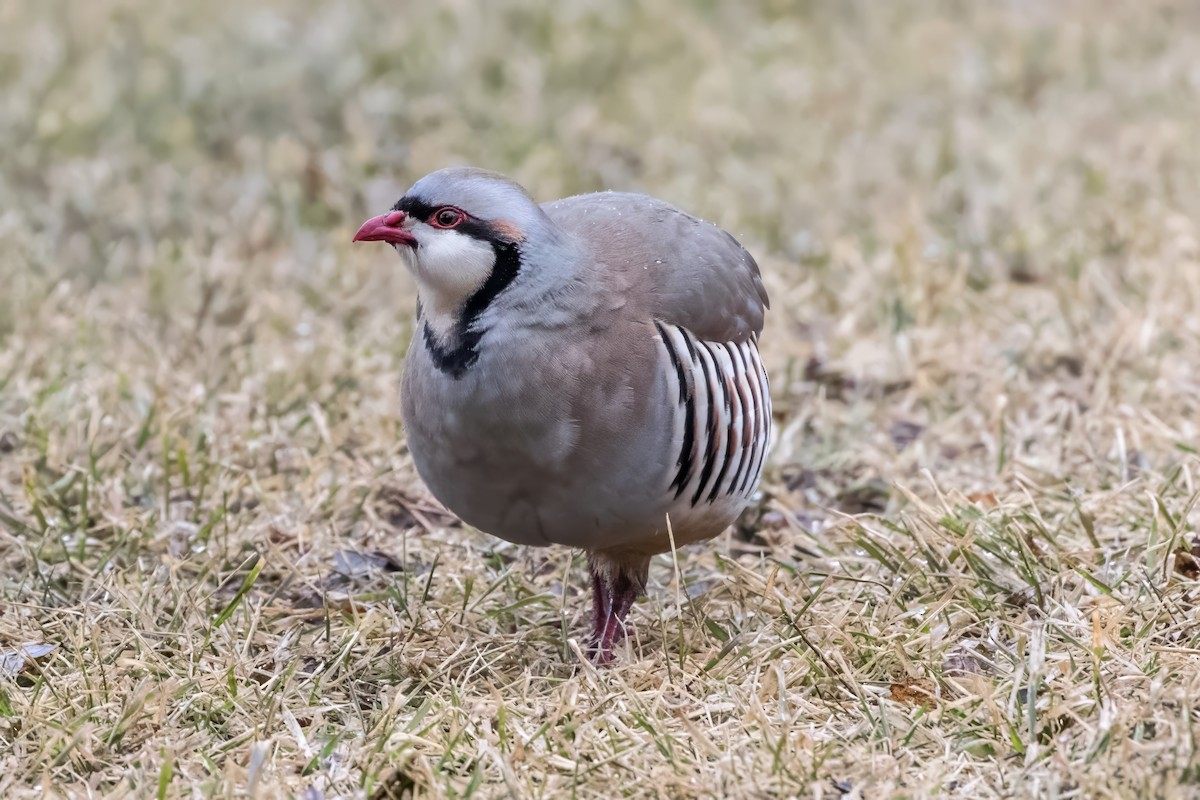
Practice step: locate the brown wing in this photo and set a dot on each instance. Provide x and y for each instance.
(686, 271)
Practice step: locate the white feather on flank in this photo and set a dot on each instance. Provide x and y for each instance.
(722, 415)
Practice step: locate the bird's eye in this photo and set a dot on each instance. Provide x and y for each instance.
(446, 218)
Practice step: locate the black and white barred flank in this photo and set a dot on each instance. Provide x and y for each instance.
(725, 424)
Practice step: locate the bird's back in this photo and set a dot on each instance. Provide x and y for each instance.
(680, 268)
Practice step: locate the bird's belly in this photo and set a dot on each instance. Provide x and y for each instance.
(507, 483)
(497, 480)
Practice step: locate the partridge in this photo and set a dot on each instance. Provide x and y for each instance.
(584, 372)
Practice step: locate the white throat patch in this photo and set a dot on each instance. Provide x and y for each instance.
(449, 267)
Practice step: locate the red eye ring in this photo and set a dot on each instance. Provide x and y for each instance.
(446, 217)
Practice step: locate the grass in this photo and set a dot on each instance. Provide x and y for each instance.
(974, 567)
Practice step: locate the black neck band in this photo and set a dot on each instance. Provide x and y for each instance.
(456, 356)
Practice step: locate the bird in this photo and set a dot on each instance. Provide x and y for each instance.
(583, 372)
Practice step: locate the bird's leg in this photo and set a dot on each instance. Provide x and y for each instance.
(624, 592)
(615, 586)
(602, 604)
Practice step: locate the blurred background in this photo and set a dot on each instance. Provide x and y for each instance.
(977, 223)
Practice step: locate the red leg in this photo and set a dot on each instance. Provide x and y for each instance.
(624, 594)
(602, 605)
(609, 628)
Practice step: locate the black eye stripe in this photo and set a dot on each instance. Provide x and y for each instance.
(415, 208)
(471, 226)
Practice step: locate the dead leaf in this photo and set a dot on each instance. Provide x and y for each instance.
(14, 661)
(904, 433)
(396, 786)
(344, 603)
(864, 497)
(915, 691)
(1019, 599)
(985, 499)
(964, 661)
(1187, 564)
(357, 564)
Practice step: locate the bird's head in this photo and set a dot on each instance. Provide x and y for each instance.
(461, 231)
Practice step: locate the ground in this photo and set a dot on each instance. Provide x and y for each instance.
(973, 568)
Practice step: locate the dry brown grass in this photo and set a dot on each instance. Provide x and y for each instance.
(971, 571)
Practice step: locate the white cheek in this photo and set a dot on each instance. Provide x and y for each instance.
(454, 260)
(450, 267)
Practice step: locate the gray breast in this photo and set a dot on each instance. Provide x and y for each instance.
(544, 444)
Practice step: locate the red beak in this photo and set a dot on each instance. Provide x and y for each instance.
(386, 228)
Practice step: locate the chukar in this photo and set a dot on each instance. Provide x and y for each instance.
(585, 372)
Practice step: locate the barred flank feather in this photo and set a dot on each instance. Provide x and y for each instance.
(723, 419)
